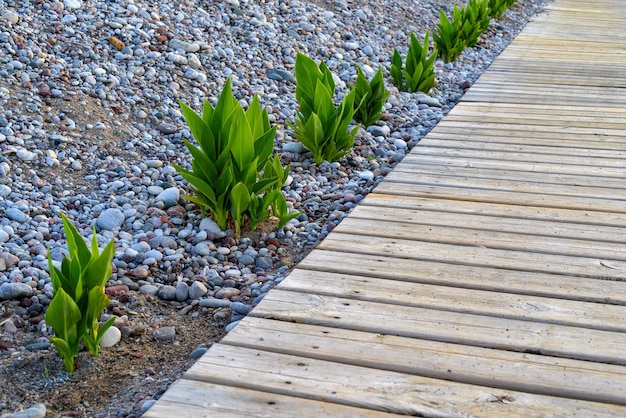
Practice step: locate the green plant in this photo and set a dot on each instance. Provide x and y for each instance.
(321, 126)
(418, 73)
(233, 173)
(498, 7)
(474, 19)
(369, 97)
(78, 295)
(448, 37)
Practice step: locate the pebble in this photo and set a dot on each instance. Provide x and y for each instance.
(38, 410)
(208, 224)
(111, 337)
(197, 353)
(169, 197)
(164, 333)
(12, 17)
(15, 291)
(197, 290)
(111, 219)
(16, 215)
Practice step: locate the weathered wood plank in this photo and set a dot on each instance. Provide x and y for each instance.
(444, 326)
(378, 389)
(586, 219)
(457, 234)
(476, 256)
(454, 299)
(511, 194)
(547, 167)
(565, 131)
(440, 272)
(195, 399)
(584, 233)
(411, 169)
(520, 372)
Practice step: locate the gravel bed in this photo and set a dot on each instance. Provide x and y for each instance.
(90, 126)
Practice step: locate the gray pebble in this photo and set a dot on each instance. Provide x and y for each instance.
(197, 290)
(164, 333)
(111, 219)
(240, 308)
(182, 291)
(149, 289)
(15, 291)
(215, 303)
(111, 337)
(167, 292)
(265, 263)
(197, 353)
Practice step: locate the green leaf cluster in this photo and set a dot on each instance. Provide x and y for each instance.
(418, 73)
(78, 295)
(448, 37)
(498, 7)
(233, 173)
(474, 19)
(369, 97)
(321, 126)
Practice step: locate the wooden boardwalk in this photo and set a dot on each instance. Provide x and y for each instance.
(485, 276)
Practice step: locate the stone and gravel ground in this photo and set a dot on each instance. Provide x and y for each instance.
(90, 126)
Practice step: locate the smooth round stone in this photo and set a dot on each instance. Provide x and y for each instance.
(147, 404)
(169, 196)
(376, 130)
(15, 291)
(212, 226)
(214, 303)
(246, 259)
(201, 249)
(197, 290)
(168, 129)
(197, 353)
(110, 219)
(366, 175)
(240, 308)
(167, 292)
(149, 289)
(157, 255)
(182, 291)
(154, 190)
(295, 147)
(73, 4)
(16, 215)
(164, 333)
(4, 190)
(12, 17)
(194, 62)
(264, 262)
(111, 337)
(38, 410)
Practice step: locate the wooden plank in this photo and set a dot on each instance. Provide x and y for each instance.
(520, 372)
(411, 169)
(581, 197)
(495, 194)
(454, 299)
(493, 279)
(549, 142)
(476, 256)
(564, 131)
(378, 389)
(586, 219)
(546, 230)
(457, 234)
(462, 143)
(460, 161)
(195, 399)
(444, 326)
(524, 118)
